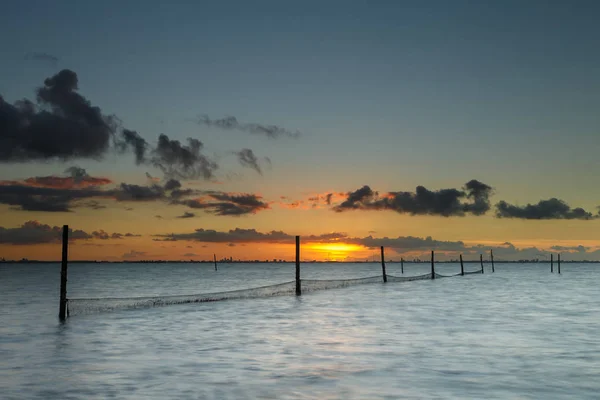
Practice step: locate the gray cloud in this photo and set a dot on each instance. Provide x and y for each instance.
(182, 161)
(63, 125)
(247, 159)
(43, 57)
(131, 140)
(33, 232)
(231, 123)
(221, 203)
(187, 215)
(544, 209)
(472, 199)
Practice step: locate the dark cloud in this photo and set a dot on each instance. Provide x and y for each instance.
(131, 140)
(579, 249)
(182, 161)
(231, 123)
(130, 192)
(43, 57)
(172, 184)
(472, 199)
(239, 235)
(221, 203)
(63, 125)
(544, 209)
(33, 232)
(78, 178)
(187, 215)
(247, 159)
(408, 243)
(231, 244)
(133, 254)
(190, 255)
(102, 235)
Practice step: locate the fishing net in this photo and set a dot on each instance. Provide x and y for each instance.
(79, 306)
(98, 305)
(311, 285)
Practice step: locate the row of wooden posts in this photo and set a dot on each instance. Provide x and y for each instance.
(62, 314)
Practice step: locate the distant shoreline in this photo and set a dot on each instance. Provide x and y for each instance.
(289, 262)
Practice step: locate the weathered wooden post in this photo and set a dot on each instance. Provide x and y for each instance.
(492, 258)
(551, 263)
(481, 261)
(462, 267)
(215, 258)
(62, 312)
(383, 265)
(432, 266)
(298, 286)
(559, 263)
(402, 265)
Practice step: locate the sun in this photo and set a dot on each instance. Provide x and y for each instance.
(335, 251)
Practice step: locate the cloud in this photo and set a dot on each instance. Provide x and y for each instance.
(187, 215)
(43, 57)
(231, 123)
(221, 203)
(190, 255)
(133, 254)
(57, 194)
(78, 179)
(34, 232)
(239, 235)
(247, 159)
(579, 249)
(472, 199)
(63, 125)
(182, 161)
(545, 209)
(102, 235)
(131, 140)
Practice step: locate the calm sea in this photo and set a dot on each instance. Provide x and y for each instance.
(518, 333)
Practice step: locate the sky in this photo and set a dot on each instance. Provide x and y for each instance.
(178, 131)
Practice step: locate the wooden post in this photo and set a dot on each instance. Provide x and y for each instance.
(62, 312)
(298, 286)
(215, 258)
(462, 267)
(492, 258)
(383, 265)
(432, 266)
(402, 265)
(551, 263)
(481, 261)
(559, 263)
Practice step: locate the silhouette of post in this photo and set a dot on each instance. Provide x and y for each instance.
(383, 265)
(559, 263)
(432, 266)
(481, 261)
(62, 312)
(462, 267)
(298, 286)
(492, 258)
(215, 258)
(402, 265)
(551, 263)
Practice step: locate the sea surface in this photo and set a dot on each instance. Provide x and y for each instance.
(518, 333)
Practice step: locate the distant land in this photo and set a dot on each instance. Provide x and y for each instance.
(227, 261)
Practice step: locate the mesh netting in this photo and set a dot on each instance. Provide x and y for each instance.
(391, 278)
(473, 272)
(310, 285)
(98, 305)
(92, 306)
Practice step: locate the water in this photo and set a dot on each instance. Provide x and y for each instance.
(518, 333)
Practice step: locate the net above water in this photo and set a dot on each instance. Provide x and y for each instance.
(99, 305)
(80, 306)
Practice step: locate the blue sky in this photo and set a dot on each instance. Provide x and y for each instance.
(391, 94)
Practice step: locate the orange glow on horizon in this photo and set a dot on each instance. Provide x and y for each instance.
(335, 251)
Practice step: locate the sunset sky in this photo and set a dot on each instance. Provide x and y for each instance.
(179, 130)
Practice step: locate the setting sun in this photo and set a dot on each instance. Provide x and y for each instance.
(336, 251)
